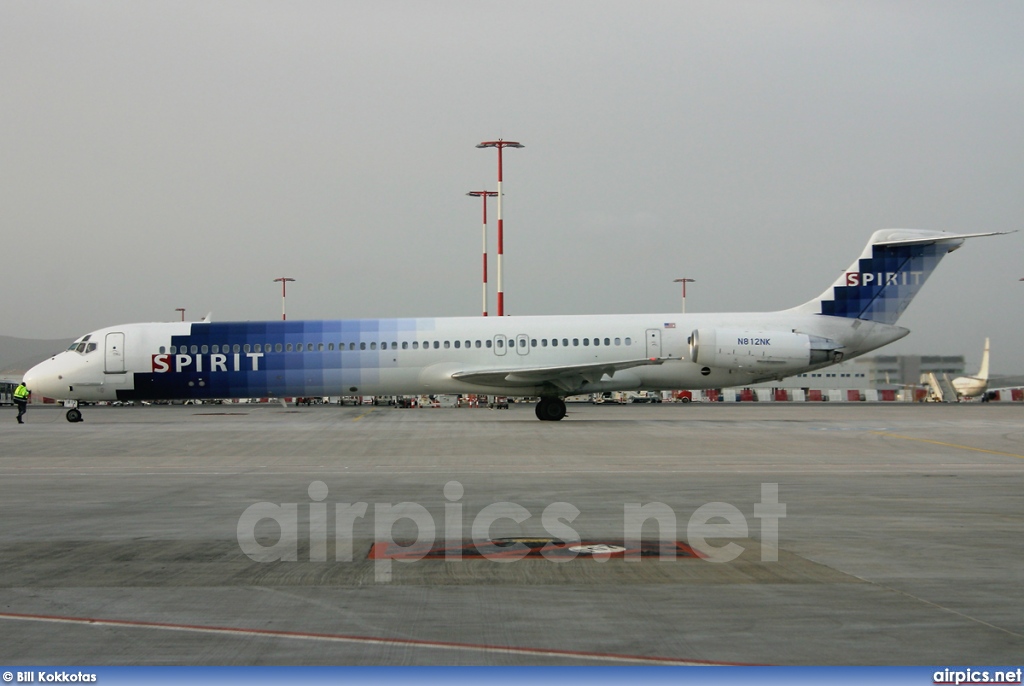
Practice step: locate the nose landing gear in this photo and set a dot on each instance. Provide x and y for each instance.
(73, 414)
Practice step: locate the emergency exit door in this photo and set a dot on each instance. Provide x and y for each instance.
(654, 343)
(523, 344)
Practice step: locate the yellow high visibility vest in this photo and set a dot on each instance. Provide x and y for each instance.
(21, 393)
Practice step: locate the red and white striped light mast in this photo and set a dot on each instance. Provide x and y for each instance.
(284, 282)
(484, 195)
(684, 282)
(500, 144)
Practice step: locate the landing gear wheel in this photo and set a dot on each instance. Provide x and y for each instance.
(550, 409)
(74, 415)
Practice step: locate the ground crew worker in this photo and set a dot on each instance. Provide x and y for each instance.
(21, 394)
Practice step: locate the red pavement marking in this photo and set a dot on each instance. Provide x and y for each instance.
(366, 640)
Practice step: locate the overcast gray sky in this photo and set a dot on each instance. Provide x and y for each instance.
(156, 155)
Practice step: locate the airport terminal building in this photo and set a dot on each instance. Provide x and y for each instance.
(881, 377)
(880, 372)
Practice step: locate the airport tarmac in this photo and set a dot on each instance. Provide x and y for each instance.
(124, 537)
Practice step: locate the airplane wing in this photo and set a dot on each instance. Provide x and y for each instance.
(565, 377)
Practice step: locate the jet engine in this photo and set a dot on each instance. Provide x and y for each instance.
(760, 349)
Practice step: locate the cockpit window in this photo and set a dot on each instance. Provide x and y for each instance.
(83, 345)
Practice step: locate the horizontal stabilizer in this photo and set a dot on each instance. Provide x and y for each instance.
(931, 237)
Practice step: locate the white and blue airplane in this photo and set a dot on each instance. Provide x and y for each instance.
(547, 356)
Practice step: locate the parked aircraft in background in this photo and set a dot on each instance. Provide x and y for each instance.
(973, 386)
(547, 356)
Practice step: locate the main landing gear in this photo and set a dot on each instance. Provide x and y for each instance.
(550, 409)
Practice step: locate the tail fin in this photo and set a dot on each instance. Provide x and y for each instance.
(881, 283)
(983, 374)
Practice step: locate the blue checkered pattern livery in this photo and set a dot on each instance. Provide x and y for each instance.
(885, 283)
(268, 358)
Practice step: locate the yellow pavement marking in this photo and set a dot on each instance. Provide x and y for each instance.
(948, 445)
(356, 419)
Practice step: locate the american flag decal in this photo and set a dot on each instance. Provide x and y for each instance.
(670, 325)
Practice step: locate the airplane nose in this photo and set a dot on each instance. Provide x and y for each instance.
(32, 378)
(43, 380)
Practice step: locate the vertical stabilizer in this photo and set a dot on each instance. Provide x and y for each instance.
(885, 278)
(983, 373)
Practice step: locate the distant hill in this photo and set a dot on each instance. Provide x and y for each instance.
(17, 355)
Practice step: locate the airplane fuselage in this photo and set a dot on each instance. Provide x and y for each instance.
(551, 357)
(544, 355)
(969, 386)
